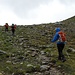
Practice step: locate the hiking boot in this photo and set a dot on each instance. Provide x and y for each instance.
(59, 58)
(63, 60)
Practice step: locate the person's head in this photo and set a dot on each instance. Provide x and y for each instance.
(12, 24)
(57, 29)
(6, 23)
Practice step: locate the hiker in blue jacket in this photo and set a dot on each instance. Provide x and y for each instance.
(60, 45)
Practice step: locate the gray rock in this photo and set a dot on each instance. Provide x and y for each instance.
(42, 52)
(47, 73)
(2, 52)
(44, 67)
(71, 50)
(30, 68)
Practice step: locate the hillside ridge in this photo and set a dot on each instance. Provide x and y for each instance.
(30, 51)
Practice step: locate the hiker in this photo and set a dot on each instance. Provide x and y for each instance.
(6, 27)
(60, 38)
(13, 27)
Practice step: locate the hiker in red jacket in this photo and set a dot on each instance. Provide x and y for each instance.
(60, 38)
(6, 27)
(13, 27)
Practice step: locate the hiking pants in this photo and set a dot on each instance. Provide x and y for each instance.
(6, 29)
(60, 51)
(13, 31)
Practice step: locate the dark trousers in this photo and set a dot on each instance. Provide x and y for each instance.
(6, 29)
(60, 51)
(13, 31)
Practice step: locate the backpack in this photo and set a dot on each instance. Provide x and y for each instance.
(6, 26)
(62, 36)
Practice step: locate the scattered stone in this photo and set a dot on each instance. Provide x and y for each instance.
(71, 50)
(42, 52)
(1, 74)
(30, 68)
(44, 67)
(2, 52)
(34, 54)
(27, 74)
(47, 73)
(8, 61)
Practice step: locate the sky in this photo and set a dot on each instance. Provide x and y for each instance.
(28, 12)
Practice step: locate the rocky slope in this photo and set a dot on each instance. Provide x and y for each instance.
(30, 51)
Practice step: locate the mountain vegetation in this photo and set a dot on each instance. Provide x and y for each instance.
(31, 52)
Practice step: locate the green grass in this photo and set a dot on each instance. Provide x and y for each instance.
(37, 37)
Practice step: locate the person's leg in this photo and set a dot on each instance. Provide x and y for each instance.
(12, 32)
(60, 48)
(5, 29)
(59, 51)
(63, 57)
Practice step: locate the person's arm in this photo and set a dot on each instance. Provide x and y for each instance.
(55, 38)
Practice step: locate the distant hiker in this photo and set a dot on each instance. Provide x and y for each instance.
(13, 27)
(60, 38)
(6, 27)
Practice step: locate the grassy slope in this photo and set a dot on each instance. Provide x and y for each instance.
(20, 48)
